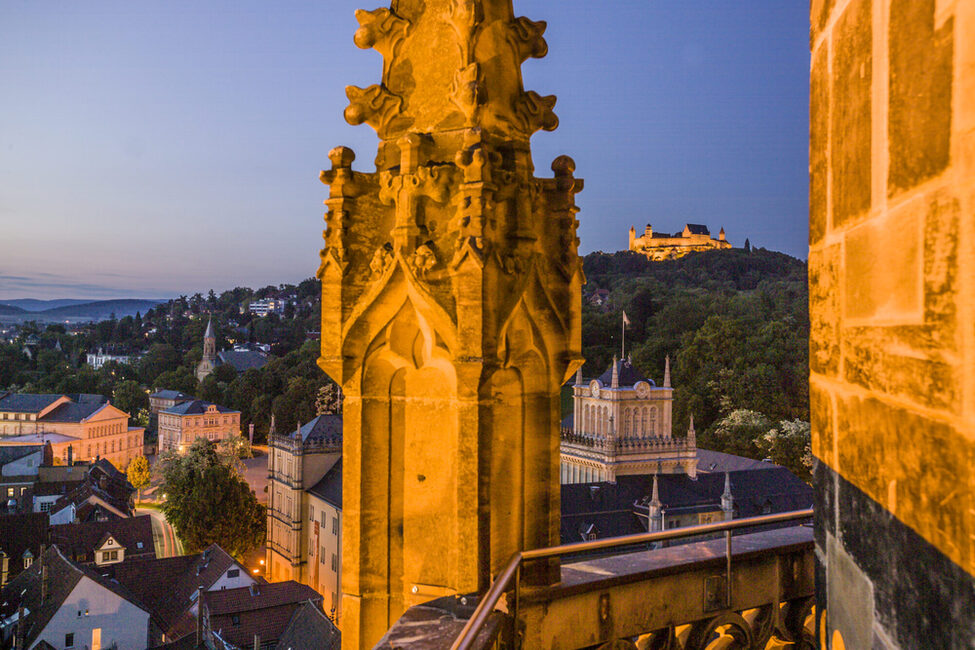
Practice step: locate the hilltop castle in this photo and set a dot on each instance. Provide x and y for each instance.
(659, 246)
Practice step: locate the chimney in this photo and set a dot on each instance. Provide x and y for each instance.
(199, 613)
(19, 632)
(44, 578)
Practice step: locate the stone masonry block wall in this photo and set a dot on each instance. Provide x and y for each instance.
(892, 309)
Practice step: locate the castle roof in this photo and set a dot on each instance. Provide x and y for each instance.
(330, 487)
(322, 427)
(628, 375)
(697, 229)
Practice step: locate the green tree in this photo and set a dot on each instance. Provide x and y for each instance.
(139, 474)
(789, 444)
(209, 503)
(131, 398)
(737, 433)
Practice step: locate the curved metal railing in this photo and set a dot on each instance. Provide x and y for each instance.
(512, 571)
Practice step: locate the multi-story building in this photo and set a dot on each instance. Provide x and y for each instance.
(267, 306)
(79, 427)
(659, 246)
(304, 514)
(98, 359)
(621, 424)
(183, 423)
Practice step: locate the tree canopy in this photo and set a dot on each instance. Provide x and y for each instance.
(208, 502)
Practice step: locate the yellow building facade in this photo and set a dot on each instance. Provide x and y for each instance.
(182, 424)
(451, 311)
(659, 246)
(84, 428)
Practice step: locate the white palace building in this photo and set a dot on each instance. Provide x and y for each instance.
(621, 424)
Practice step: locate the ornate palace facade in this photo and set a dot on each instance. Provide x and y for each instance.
(621, 424)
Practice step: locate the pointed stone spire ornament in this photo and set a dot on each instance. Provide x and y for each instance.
(691, 434)
(578, 376)
(449, 273)
(667, 372)
(727, 501)
(655, 508)
(616, 373)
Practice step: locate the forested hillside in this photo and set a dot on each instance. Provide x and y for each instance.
(735, 324)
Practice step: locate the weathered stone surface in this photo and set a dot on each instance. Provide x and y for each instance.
(852, 79)
(818, 137)
(919, 118)
(824, 310)
(451, 310)
(892, 313)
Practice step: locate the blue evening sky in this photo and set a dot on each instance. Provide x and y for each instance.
(160, 147)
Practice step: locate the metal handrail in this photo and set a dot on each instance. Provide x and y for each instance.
(512, 571)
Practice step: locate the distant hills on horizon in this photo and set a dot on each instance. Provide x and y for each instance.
(73, 310)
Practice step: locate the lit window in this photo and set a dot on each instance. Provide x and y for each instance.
(28, 561)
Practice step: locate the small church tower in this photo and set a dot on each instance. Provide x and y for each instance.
(209, 361)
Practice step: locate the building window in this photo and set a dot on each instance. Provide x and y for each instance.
(335, 525)
(235, 619)
(311, 513)
(69, 638)
(45, 506)
(324, 519)
(233, 573)
(335, 562)
(10, 492)
(321, 556)
(28, 561)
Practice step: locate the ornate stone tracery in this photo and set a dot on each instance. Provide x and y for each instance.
(451, 310)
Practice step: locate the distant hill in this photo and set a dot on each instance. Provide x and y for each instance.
(32, 304)
(102, 309)
(79, 311)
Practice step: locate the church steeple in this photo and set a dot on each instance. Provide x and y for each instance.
(210, 342)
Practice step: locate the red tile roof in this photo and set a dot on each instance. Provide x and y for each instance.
(264, 610)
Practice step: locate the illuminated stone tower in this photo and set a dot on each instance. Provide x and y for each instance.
(209, 361)
(450, 310)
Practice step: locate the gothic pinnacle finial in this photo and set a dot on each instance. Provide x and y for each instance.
(472, 78)
(616, 373)
(579, 376)
(667, 375)
(655, 499)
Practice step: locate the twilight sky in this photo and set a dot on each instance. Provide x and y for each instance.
(160, 147)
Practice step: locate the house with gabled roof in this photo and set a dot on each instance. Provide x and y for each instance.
(66, 605)
(254, 616)
(170, 587)
(102, 543)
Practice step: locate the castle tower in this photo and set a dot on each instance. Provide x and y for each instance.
(451, 310)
